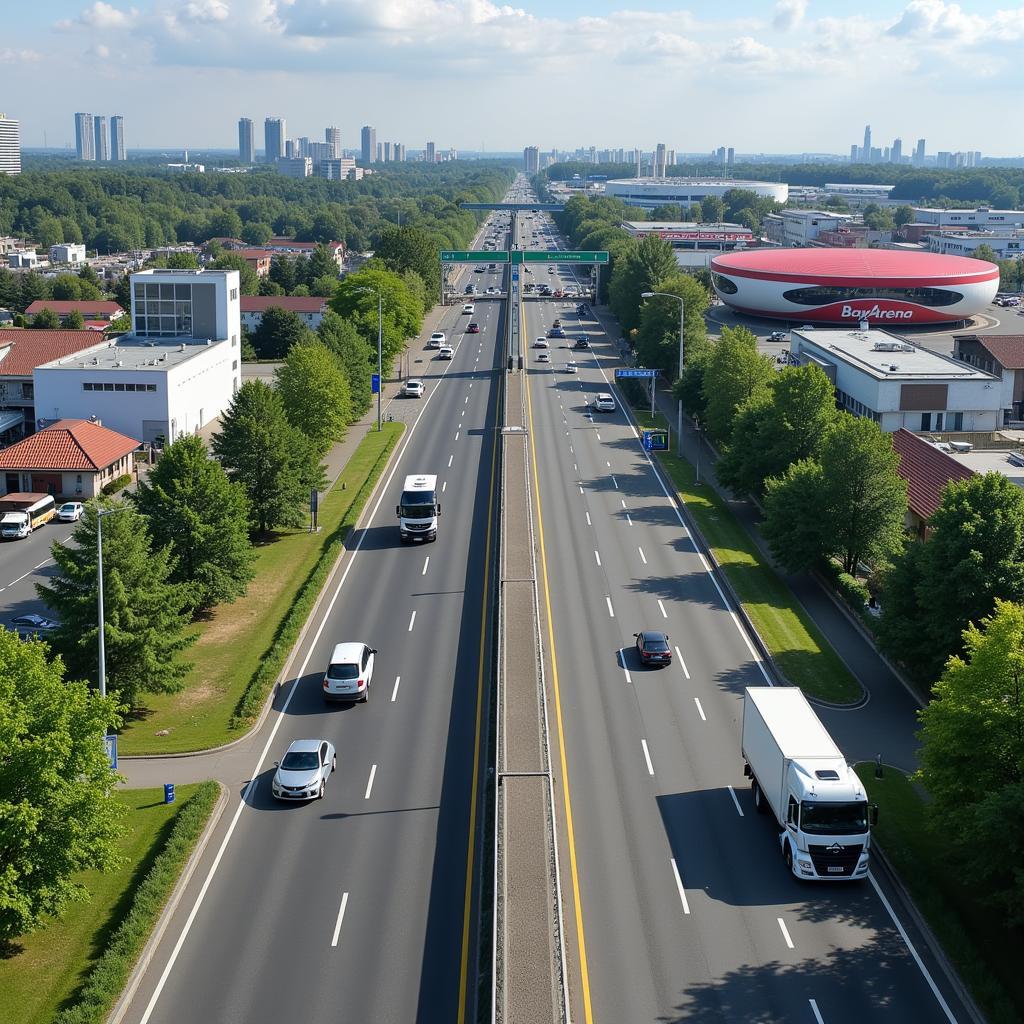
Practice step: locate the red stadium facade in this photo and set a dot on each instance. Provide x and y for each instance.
(847, 286)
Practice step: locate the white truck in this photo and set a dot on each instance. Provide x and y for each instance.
(418, 508)
(797, 771)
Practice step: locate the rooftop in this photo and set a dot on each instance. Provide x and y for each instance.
(62, 307)
(129, 352)
(68, 445)
(21, 351)
(296, 303)
(927, 470)
(884, 356)
(988, 460)
(1005, 349)
(684, 225)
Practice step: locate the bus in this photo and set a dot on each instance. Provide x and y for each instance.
(20, 514)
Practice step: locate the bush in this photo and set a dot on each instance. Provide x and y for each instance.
(110, 973)
(117, 484)
(852, 590)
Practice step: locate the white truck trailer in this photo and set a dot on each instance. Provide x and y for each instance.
(797, 771)
(419, 508)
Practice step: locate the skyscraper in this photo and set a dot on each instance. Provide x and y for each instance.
(368, 144)
(854, 150)
(117, 137)
(431, 153)
(896, 151)
(398, 152)
(84, 139)
(730, 157)
(10, 146)
(246, 140)
(99, 124)
(919, 153)
(531, 159)
(659, 160)
(866, 154)
(274, 133)
(332, 136)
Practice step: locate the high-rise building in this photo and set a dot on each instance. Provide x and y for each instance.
(246, 140)
(102, 144)
(659, 160)
(398, 152)
(117, 137)
(896, 151)
(295, 167)
(919, 153)
(854, 151)
(730, 156)
(332, 136)
(291, 149)
(85, 141)
(720, 154)
(368, 140)
(386, 152)
(531, 159)
(10, 146)
(379, 157)
(317, 152)
(866, 155)
(274, 134)
(431, 153)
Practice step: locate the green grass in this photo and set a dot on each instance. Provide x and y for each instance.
(984, 951)
(232, 646)
(799, 648)
(53, 962)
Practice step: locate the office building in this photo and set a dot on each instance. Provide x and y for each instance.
(295, 166)
(896, 151)
(659, 160)
(102, 144)
(10, 146)
(919, 154)
(117, 138)
(866, 152)
(387, 152)
(730, 156)
(339, 170)
(290, 149)
(399, 152)
(318, 152)
(274, 134)
(531, 159)
(332, 138)
(246, 140)
(854, 153)
(368, 144)
(431, 156)
(85, 141)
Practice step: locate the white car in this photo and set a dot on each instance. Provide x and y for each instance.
(541, 343)
(303, 772)
(604, 403)
(469, 308)
(493, 291)
(413, 389)
(70, 512)
(349, 674)
(570, 367)
(543, 357)
(437, 339)
(445, 352)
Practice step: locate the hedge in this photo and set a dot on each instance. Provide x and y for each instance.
(852, 591)
(266, 675)
(110, 974)
(119, 483)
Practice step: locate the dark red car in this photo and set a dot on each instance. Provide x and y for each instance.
(473, 328)
(653, 647)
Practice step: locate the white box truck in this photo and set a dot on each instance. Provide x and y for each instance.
(797, 771)
(419, 508)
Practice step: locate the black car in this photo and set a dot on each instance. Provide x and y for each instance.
(653, 647)
(30, 626)
(582, 342)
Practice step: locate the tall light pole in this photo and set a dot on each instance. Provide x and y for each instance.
(682, 326)
(100, 513)
(380, 345)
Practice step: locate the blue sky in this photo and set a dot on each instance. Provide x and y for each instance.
(785, 76)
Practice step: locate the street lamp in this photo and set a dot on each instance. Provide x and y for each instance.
(679, 299)
(100, 513)
(380, 335)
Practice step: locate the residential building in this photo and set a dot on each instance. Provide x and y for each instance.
(431, 156)
(10, 146)
(866, 151)
(400, 152)
(24, 259)
(338, 170)
(310, 308)
(919, 153)
(379, 157)
(531, 159)
(246, 140)
(85, 139)
(289, 247)
(332, 139)
(102, 143)
(295, 167)
(1001, 355)
(290, 149)
(660, 158)
(896, 151)
(927, 470)
(71, 458)
(258, 259)
(101, 310)
(387, 153)
(368, 144)
(117, 138)
(274, 134)
(882, 377)
(171, 376)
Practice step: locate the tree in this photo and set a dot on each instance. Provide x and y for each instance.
(57, 812)
(279, 330)
(257, 233)
(355, 356)
(46, 320)
(793, 516)
(319, 264)
(785, 425)
(985, 252)
(972, 757)
(74, 321)
(657, 343)
(275, 463)
(145, 613)
(411, 248)
(735, 374)
(203, 517)
(315, 395)
(903, 215)
(183, 261)
(356, 300)
(282, 272)
(248, 280)
(713, 209)
(646, 264)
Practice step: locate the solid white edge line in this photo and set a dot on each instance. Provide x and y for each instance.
(425, 564)
(735, 800)
(700, 709)
(785, 933)
(679, 886)
(814, 1009)
(682, 664)
(703, 561)
(611, 611)
(341, 917)
(369, 783)
(647, 757)
(412, 621)
(394, 692)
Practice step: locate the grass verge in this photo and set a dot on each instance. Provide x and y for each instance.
(241, 648)
(74, 968)
(985, 952)
(798, 647)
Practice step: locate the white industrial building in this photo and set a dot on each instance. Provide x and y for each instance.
(969, 220)
(794, 228)
(1007, 244)
(70, 252)
(882, 377)
(176, 372)
(691, 234)
(648, 193)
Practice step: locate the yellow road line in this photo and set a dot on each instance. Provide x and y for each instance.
(471, 851)
(570, 831)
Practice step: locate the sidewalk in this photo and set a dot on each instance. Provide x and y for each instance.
(886, 722)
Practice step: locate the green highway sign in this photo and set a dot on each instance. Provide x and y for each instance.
(473, 256)
(564, 256)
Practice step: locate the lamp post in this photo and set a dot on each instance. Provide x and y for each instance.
(100, 513)
(380, 337)
(679, 299)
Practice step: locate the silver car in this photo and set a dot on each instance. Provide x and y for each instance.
(303, 771)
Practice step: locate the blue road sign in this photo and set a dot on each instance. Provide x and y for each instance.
(374, 383)
(110, 742)
(515, 275)
(646, 374)
(655, 440)
(168, 792)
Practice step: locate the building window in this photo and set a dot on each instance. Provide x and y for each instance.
(958, 421)
(938, 421)
(234, 293)
(820, 295)
(926, 421)
(234, 364)
(26, 390)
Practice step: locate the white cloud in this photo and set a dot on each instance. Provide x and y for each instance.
(12, 55)
(207, 10)
(746, 50)
(102, 16)
(789, 14)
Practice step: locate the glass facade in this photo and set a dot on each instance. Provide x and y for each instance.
(821, 295)
(162, 310)
(724, 284)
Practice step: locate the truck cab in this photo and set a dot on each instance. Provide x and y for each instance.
(14, 525)
(418, 509)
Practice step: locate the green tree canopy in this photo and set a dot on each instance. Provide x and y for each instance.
(279, 331)
(46, 320)
(358, 359)
(74, 321)
(793, 510)
(356, 301)
(646, 264)
(248, 280)
(657, 342)
(736, 373)
(315, 394)
(57, 813)
(412, 248)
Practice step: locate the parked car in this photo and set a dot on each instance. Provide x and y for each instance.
(349, 673)
(31, 625)
(778, 336)
(303, 772)
(70, 511)
(413, 389)
(653, 647)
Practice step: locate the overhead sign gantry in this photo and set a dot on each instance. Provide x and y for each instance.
(598, 256)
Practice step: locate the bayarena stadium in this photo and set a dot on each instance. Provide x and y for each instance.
(881, 286)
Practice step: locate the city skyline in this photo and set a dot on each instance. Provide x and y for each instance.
(177, 70)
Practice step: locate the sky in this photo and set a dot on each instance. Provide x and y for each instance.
(780, 77)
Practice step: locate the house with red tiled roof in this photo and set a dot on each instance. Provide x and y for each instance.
(91, 309)
(310, 308)
(258, 259)
(21, 352)
(288, 246)
(68, 459)
(1001, 355)
(927, 470)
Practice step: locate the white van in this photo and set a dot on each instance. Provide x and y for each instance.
(437, 339)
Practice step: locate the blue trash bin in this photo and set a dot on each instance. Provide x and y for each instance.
(168, 792)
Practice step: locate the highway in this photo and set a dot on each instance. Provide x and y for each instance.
(362, 906)
(683, 907)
